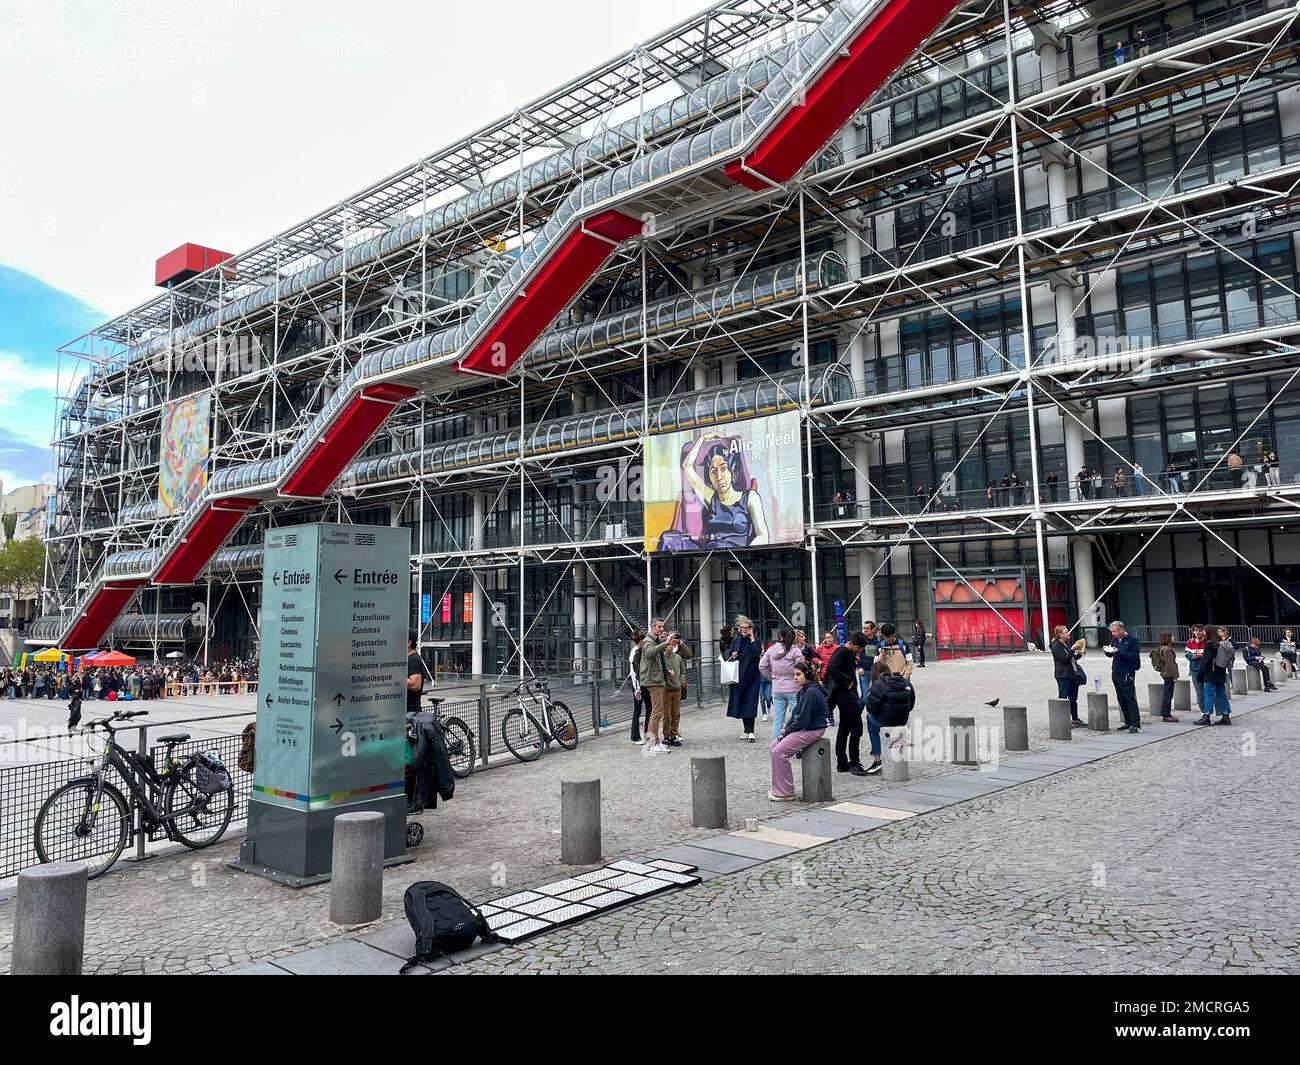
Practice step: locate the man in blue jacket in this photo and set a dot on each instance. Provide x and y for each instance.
(1125, 660)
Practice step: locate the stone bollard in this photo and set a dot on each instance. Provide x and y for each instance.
(1058, 719)
(893, 759)
(709, 792)
(1254, 680)
(1155, 699)
(1182, 695)
(580, 822)
(357, 868)
(1278, 671)
(964, 747)
(1015, 727)
(1098, 712)
(50, 920)
(1239, 682)
(818, 763)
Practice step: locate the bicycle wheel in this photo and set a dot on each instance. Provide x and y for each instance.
(522, 735)
(200, 827)
(565, 729)
(460, 746)
(62, 834)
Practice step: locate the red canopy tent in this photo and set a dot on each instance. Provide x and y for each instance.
(108, 658)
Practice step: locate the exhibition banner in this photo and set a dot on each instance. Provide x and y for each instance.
(735, 486)
(183, 452)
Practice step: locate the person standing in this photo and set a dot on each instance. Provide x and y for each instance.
(742, 700)
(1139, 480)
(1165, 660)
(870, 645)
(652, 680)
(1173, 479)
(1121, 482)
(1193, 652)
(1120, 53)
(1286, 648)
(1273, 465)
(896, 654)
(1081, 483)
(1065, 668)
(1051, 486)
(640, 697)
(1125, 660)
(842, 687)
(777, 667)
(1235, 467)
(825, 649)
(805, 725)
(1255, 660)
(676, 654)
(890, 700)
(1215, 669)
(1143, 44)
(919, 636)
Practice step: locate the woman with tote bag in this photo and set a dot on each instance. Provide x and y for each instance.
(743, 656)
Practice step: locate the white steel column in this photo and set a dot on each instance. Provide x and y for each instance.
(1085, 586)
(477, 601)
(704, 584)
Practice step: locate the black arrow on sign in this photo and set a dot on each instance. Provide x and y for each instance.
(337, 726)
(275, 577)
(338, 576)
(268, 699)
(338, 699)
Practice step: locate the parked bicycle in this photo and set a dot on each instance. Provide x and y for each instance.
(89, 820)
(458, 736)
(537, 721)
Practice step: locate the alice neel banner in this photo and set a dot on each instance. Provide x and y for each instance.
(183, 453)
(738, 485)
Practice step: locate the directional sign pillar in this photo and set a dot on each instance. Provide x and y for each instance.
(331, 724)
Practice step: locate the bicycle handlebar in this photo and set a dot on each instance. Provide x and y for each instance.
(119, 715)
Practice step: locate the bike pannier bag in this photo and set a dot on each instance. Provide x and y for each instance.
(442, 920)
(210, 774)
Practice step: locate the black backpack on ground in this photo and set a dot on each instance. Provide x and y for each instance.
(443, 921)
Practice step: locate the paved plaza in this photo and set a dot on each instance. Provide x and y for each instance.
(1170, 849)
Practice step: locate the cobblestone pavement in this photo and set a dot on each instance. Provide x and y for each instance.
(188, 912)
(1176, 857)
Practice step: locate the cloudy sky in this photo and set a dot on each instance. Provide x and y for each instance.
(137, 125)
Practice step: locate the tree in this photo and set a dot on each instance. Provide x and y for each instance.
(22, 569)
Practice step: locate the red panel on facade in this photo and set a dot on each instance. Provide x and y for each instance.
(180, 264)
(561, 277)
(350, 431)
(100, 613)
(210, 530)
(844, 86)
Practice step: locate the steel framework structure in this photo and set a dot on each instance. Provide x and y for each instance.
(714, 292)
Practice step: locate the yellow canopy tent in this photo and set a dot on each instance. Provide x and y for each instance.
(50, 654)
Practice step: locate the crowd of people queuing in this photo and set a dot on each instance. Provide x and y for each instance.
(798, 686)
(142, 681)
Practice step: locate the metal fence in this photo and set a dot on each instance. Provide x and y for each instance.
(599, 704)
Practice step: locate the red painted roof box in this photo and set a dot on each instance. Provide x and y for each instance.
(186, 261)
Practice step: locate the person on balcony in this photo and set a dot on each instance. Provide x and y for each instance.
(1121, 482)
(1173, 480)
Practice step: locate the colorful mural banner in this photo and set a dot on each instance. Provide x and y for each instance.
(183, 452)
(735, 486)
